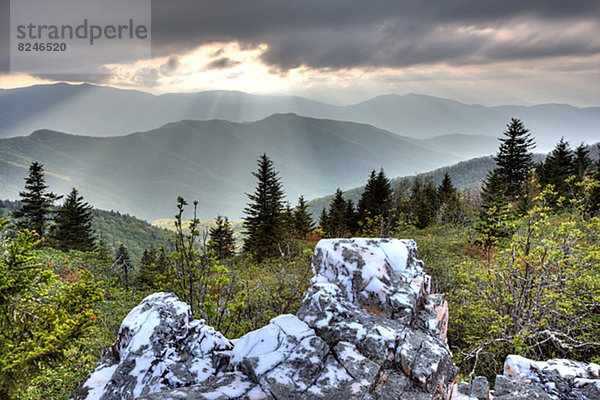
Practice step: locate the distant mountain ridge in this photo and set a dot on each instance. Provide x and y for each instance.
(467, 174)
(104, 111)
(211, 161)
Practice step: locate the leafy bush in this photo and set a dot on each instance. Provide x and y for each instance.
(537, 296)
(40, 316)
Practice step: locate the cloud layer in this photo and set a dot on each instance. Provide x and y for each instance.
(342, 34)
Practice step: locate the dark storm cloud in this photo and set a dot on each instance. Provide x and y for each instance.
(349, 33)
(170, 66)
(222, 63)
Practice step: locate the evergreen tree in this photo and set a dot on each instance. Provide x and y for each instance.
(594, 206)
(287, 221)
(36, 202)
(221, 239)
(582, 163)
(73, 225)
(303, 223)
(351, 218)
(263, 222)
(123, 262)
(449, 200)
(375, 199)
(324, 220)
(336, 221)
(494, 209)
(146, 277)
(556, 168)
(39, 319)
(446, 190)
(514, 161)
(424, 203)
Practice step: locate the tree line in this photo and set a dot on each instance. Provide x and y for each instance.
(270, 222)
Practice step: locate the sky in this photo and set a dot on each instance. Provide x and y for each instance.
(346, 51)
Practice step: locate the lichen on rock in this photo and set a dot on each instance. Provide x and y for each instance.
(367, 329)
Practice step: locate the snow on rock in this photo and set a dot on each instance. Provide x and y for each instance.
(371, 294)
(157, 348)
(381, 274)
(367, 329)
(559, 378)
(478, 389)
(525, 379)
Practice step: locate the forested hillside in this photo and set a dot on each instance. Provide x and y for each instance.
(465, 175)
(114, 229)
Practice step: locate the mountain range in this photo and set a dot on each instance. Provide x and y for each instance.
(104, 111)
(211, 161)
(467, 174)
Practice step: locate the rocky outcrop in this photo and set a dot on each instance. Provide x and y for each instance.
(525, 379)
(559, 379)
(159, 347)
(367, 329)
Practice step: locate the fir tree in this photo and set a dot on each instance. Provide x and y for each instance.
(556, 168)
(449, 200)
(494, 209)
(582, 163)
(424, 203)
(594, 206)
(303, 223)
(324, 220)
(514, 160)
(336, 222)
(263, 222)
(375, 199)
(73, 225)
(446, 190)
(287, 221)
(351, 218)
(146, 277)
(36, 202)
(39, 319)
(221, 239)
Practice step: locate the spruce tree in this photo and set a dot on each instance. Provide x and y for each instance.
(424, 202)
(221, 239)
(338, 214)
(494, 209)
(263, 222)
(287, 221)
(146, 276)
(446, 190)
(449, 200)
(556, 168)
(514, 160)
(594, 205)
(303, 223)
(36, 202)
(73, 225)
(324, 221)
(582, 163)
(351, 218)
(375, 199)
